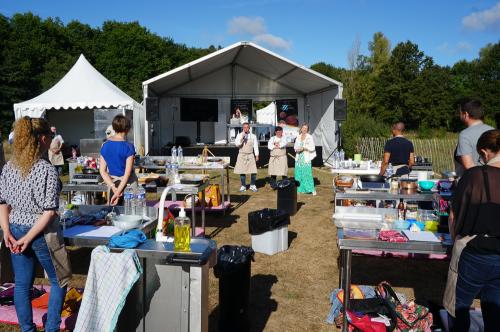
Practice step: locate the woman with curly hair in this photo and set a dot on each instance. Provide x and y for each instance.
(29, 199)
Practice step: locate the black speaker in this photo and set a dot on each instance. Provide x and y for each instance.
(152, 109)
(340, 110)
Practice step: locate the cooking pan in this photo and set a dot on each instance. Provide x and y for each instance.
(372, 178)
(88, 170)
(408, 184)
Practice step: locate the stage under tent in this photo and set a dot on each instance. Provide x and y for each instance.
(206, 100)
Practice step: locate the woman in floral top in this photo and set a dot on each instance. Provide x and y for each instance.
(29, 197)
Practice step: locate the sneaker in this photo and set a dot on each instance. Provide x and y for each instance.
(253, 188)
(243, 188)
(314, 193)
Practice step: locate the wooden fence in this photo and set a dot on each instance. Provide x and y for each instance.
(439, 150)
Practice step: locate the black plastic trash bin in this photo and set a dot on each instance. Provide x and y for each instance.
(233, 269)
(287, 196)
(266, 220)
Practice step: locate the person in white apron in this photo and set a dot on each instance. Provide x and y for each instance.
(248, 155)
(116, 162)
(474, 224)
(55, 154)
(278, 162)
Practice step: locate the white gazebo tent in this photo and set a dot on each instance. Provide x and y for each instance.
(241, 71)
(81, 90)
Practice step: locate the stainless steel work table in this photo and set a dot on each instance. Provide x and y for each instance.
(190, 163)
(346, 246)
(88, 189)
(172, 292)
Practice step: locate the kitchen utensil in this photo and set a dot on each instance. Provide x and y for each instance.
(343, 181)
(372, 178)
(408, 184)
(88, 170)
(426, 185)
(127, 222)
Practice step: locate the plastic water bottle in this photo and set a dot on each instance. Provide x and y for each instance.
(180, 155)
(128, 200)
(140, 201)
(335, 159)
(175, 174)
(389, 171)
(174, 154)
(341, 155)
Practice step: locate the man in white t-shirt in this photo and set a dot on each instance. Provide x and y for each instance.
(55, 154)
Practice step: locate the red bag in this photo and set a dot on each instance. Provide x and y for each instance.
(364, 323)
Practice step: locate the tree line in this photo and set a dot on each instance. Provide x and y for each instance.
(405, 84)
(388, 84)
(36, 53)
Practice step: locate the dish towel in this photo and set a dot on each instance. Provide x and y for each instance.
(109, 280)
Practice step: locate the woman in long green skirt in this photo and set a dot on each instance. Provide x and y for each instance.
(305, 152)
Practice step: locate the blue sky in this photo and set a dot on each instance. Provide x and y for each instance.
(303, 31)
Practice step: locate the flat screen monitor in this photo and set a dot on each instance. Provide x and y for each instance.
(199, 110)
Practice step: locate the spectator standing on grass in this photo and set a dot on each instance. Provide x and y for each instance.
(55, 154)
(305, 150)
(466, 155)
(29, 199)
(475, 227)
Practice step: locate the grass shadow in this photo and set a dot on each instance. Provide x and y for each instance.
(291, 237)
(261, 305)
(220, 222)
(237, 200)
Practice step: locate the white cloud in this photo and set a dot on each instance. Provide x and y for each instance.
(247, 25)
(486, 19)
(272, 41)
(255, 27)
(464, 46)
(460, 47)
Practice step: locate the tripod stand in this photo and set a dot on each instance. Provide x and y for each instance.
(339, 145)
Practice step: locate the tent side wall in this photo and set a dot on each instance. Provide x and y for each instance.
(320, 118)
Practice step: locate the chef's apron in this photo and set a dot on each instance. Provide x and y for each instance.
(449, 297)
(56, 159)
(278, 163)
(55, 242)
(132, 180)
(245, 164)
(401, 170)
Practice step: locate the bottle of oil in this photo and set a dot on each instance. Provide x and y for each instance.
(401, 210)
(182, 232)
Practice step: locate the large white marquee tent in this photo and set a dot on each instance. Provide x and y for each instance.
(241, 71)
(69, 104)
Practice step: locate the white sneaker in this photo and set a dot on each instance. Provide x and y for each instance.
(253, 188)
(243, 188)
(314, 193)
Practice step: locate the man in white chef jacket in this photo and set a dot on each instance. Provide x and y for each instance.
(248, 155)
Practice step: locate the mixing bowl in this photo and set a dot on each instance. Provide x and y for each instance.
(426, 185)
(126, 222)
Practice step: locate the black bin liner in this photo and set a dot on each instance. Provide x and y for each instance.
(233, 269)
(287, 195)
(266, 220)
